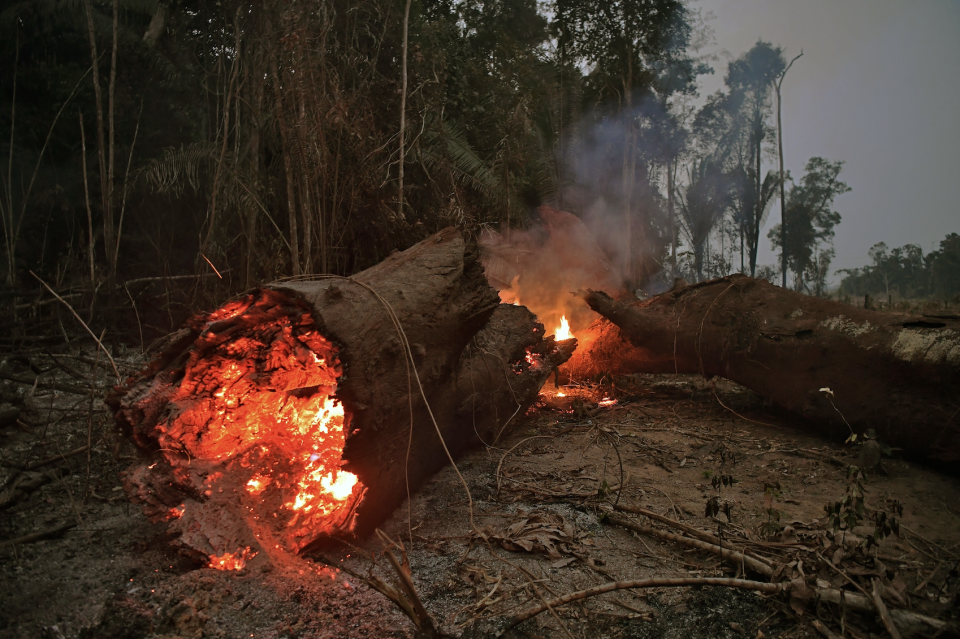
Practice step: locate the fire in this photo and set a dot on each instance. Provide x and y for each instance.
(232, 560)
(255, 415)
(257, 484)
(562, 332)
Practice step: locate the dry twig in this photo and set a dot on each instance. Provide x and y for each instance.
(882, 610)
(80, 319)
(37, 536)
(737, 558)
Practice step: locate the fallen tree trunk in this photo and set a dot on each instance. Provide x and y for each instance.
(297, 413)
(895, 374)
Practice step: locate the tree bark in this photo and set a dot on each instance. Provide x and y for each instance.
(481, 364)
(896, 374)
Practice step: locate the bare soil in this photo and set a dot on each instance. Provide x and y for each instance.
(540, 498)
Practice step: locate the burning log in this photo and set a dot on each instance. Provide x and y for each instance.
(897, 375)
(296, 413)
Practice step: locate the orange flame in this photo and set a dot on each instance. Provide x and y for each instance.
(232, 560)
(562, 332)
(257, 405)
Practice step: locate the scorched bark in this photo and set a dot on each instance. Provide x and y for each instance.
(896, 374)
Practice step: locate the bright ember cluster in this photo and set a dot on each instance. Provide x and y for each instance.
(255, 420)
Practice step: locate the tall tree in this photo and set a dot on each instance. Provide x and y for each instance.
(811, 219)
(637, 53)
(750, 80)
(783, 197)
(703, 202)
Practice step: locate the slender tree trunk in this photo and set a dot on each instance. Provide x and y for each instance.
(783, 197)
(285, 135)
(109, 236)
(758, 212)
(101, 142)
(86, 197)
(306, 216)
(403, 108)
(673, 215)
(228, 98)
(629, 166)
(249, 131)
(8, 227)
(286, 141)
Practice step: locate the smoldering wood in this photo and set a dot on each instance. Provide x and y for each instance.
(898, 375)
(481, 364)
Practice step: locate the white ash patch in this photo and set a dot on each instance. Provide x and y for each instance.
(935, 347)
(796, 313)
(847, 326)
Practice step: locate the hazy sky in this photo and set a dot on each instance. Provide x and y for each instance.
(878, 86)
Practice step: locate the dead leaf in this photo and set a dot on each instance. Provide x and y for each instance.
(560, 563)
(800, 595)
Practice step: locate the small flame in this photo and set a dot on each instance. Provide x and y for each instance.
(232, 560)
(257, 484)
(562, 332)
(341, 487)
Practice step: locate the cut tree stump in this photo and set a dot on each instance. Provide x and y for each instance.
(898, 375)
(291, 345)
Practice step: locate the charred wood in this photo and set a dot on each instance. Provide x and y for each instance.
(898, 375)
(478, 364)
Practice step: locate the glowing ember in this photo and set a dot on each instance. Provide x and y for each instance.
(257, 484)
(607, 402)
(232, 560)
(535, 360)
(254, 413)
(341, 487)
(562, 332)
(561, 394)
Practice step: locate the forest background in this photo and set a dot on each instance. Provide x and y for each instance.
(230, 143)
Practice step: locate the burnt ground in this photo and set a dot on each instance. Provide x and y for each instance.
(540, 498)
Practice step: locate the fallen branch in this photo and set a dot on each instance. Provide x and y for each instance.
(659, 582)
(27, 486)
(63, 388)
(883, 612)
(738, 558)
(84, 324)
(37, 536)
(690, 530)
(44, 462)
(910, 622)
(823, 630)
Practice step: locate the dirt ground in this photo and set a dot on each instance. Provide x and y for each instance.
(541, 503)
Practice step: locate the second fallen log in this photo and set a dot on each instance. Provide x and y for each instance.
(898, 375)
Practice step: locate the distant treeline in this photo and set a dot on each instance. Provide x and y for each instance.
(907, 272)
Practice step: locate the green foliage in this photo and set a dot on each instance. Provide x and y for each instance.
(771, 526)
(810, 220)
(847, 513)
(851, 511)
(703, 203)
